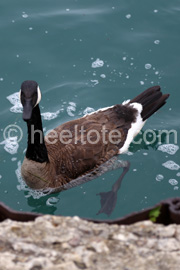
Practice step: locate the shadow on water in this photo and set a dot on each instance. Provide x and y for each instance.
(40, 205)
(109, 199)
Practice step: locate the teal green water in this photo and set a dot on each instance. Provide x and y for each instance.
(55, 43)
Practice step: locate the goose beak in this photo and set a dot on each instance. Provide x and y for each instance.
(27, 110)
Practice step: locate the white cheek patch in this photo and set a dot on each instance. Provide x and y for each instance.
(38, 96)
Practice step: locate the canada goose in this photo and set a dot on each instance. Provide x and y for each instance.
(51, 162)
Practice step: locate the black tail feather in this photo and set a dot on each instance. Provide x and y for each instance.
(152, 100)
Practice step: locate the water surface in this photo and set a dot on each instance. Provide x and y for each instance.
(56, 44)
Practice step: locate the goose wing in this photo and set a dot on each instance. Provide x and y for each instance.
(91, 140)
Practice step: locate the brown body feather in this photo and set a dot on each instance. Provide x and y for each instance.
(69, 161)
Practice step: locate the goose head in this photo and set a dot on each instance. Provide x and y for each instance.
(30, 96)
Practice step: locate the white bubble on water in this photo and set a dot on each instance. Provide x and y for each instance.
(25, 15)
(129, 153)
(103, 76)
(14, 100)
(124, 58)
(178, 174)
(157, 41)
(88, 110)
(159, 177)
(173, 182)
(98, 63)
(71, 108)
(95, 82)
(10, 145)
(148, 66)
(176, 188)
(141, 82)
(128, 16)
(155, 10)
(170, 149)
(52, 201)
(50, 115)
(1, 79)
(0, 176)
(30, 28)
(171, 165)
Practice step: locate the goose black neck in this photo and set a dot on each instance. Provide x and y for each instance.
(36, 149)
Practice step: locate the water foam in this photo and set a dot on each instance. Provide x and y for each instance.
(71, 108)
(159, 177)
(98, 63)
(170, 149)
(88, 110)
(148, 66)
(14, 100)
(173, 182)
(50, 115)
(52, 201)
(10, 145)
(171, 165)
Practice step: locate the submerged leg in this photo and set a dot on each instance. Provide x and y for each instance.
(109, 199)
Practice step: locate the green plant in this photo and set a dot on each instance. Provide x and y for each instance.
(154, 213)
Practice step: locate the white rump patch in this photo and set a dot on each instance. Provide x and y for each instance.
(135, 127)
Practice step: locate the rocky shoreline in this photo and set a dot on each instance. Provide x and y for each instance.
(52, 242)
